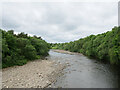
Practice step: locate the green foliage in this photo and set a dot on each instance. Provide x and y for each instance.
(41, 46)
(18, 49)
(30, 52)
(105, 46)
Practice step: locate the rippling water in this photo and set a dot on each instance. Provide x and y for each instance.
(84, 72)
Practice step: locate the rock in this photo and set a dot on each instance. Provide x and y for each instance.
(74, 70)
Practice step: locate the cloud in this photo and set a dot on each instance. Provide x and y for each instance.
(59, 22)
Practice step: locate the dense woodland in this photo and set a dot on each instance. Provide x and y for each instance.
(18, 49)
(104, 47)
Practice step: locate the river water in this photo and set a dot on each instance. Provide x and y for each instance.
(83, 72)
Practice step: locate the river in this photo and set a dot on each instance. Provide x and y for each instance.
(84, 72)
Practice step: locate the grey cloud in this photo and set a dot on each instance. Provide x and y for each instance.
(70, 27)
(9, 24)
(59, 22)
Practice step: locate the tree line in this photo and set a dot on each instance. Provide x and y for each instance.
(104, 47)
(20, 48)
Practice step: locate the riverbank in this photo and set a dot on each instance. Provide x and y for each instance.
(35, 74)
(66, 52)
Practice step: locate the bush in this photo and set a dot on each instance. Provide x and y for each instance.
(21, 62)
(18, 49)
(30, 52)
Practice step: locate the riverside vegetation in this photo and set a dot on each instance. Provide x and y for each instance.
(18, 49)
(104, 47)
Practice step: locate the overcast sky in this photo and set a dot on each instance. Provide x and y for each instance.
(60, 22)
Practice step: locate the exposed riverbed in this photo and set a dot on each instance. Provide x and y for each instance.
(35, 74)
(83, 72)
(62, 69)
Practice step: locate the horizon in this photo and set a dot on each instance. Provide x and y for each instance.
(16, 33)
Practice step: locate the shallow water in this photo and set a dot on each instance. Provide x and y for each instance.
(84, 72)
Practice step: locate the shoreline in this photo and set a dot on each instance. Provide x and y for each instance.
(66, 52)
(34, 74)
